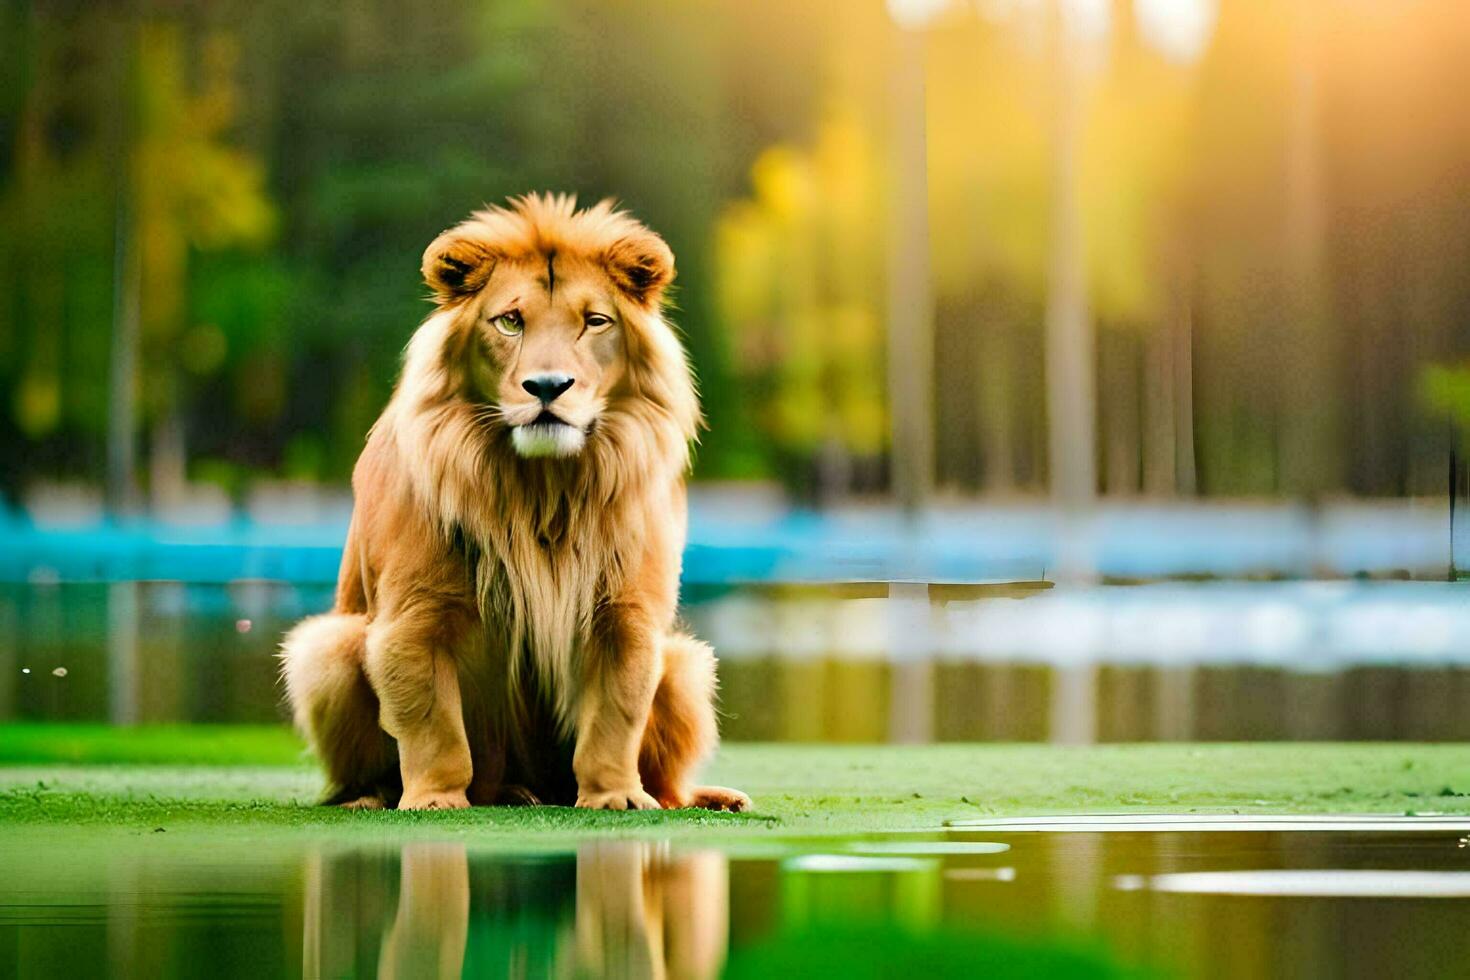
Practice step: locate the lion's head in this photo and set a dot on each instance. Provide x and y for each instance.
(551, 322)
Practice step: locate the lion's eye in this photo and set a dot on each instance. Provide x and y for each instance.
(509, 323)
(596, 321)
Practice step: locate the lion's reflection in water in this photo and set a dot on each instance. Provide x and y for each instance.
(619, 909)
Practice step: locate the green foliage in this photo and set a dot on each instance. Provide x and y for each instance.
(801, 288)
(1445, 390)
(281, 168)
(278, 168)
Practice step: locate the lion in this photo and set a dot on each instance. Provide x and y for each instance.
(504, 624)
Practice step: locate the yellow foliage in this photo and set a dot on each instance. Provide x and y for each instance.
(191, 188)
(38, 403)
(203, 348)
(799, 286)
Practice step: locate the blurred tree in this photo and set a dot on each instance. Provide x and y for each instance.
(1445, 391)
(1273, 234)
(1397, 151)
(363, 135)
(800, 287)
(1133, 178)
(1309, 451)
(401, 119)
(1071, 407)
(988, 216)
(191, 190)
(56, 190)
(1234, 168)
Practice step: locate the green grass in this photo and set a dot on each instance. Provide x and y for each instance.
(216, 745)
(238, 780)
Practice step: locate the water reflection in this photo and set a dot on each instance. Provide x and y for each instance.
(614, 909)
(1387, 899)
(1206, 662)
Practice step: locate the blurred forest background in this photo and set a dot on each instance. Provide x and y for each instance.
(1252, 220)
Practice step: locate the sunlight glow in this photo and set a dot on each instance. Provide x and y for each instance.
(1179, 29)
(915, 15)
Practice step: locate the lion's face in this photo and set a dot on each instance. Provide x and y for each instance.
(548, 351)
(552, 308)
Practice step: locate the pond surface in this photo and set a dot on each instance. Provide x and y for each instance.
(1188, 897)
(859, 663)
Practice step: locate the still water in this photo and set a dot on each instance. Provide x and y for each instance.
(861, 663)
(1180, 897)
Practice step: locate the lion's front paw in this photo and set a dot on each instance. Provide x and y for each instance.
(434, 800)
(719, 798)
(619, 799)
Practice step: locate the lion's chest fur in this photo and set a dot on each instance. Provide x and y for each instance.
(541, 574)
(551, 541)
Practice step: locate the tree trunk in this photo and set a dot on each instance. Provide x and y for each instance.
(1121, 413)
(1181, 333)
(1308, 447)
(1160, 449)
(122, 381)
(1168, 454)
(1071, 400)
(996, 397)
(910, 300)
(167, 462)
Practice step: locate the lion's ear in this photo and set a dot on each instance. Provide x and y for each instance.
(456, 265)
(642, 266)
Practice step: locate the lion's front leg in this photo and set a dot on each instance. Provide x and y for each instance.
(411, 665)
(619, 679)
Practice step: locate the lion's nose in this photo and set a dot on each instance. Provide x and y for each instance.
(548, 387)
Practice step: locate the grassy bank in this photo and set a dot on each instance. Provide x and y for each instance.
(239, 779)
(188, 745)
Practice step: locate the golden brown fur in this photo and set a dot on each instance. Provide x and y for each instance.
(504, 623)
